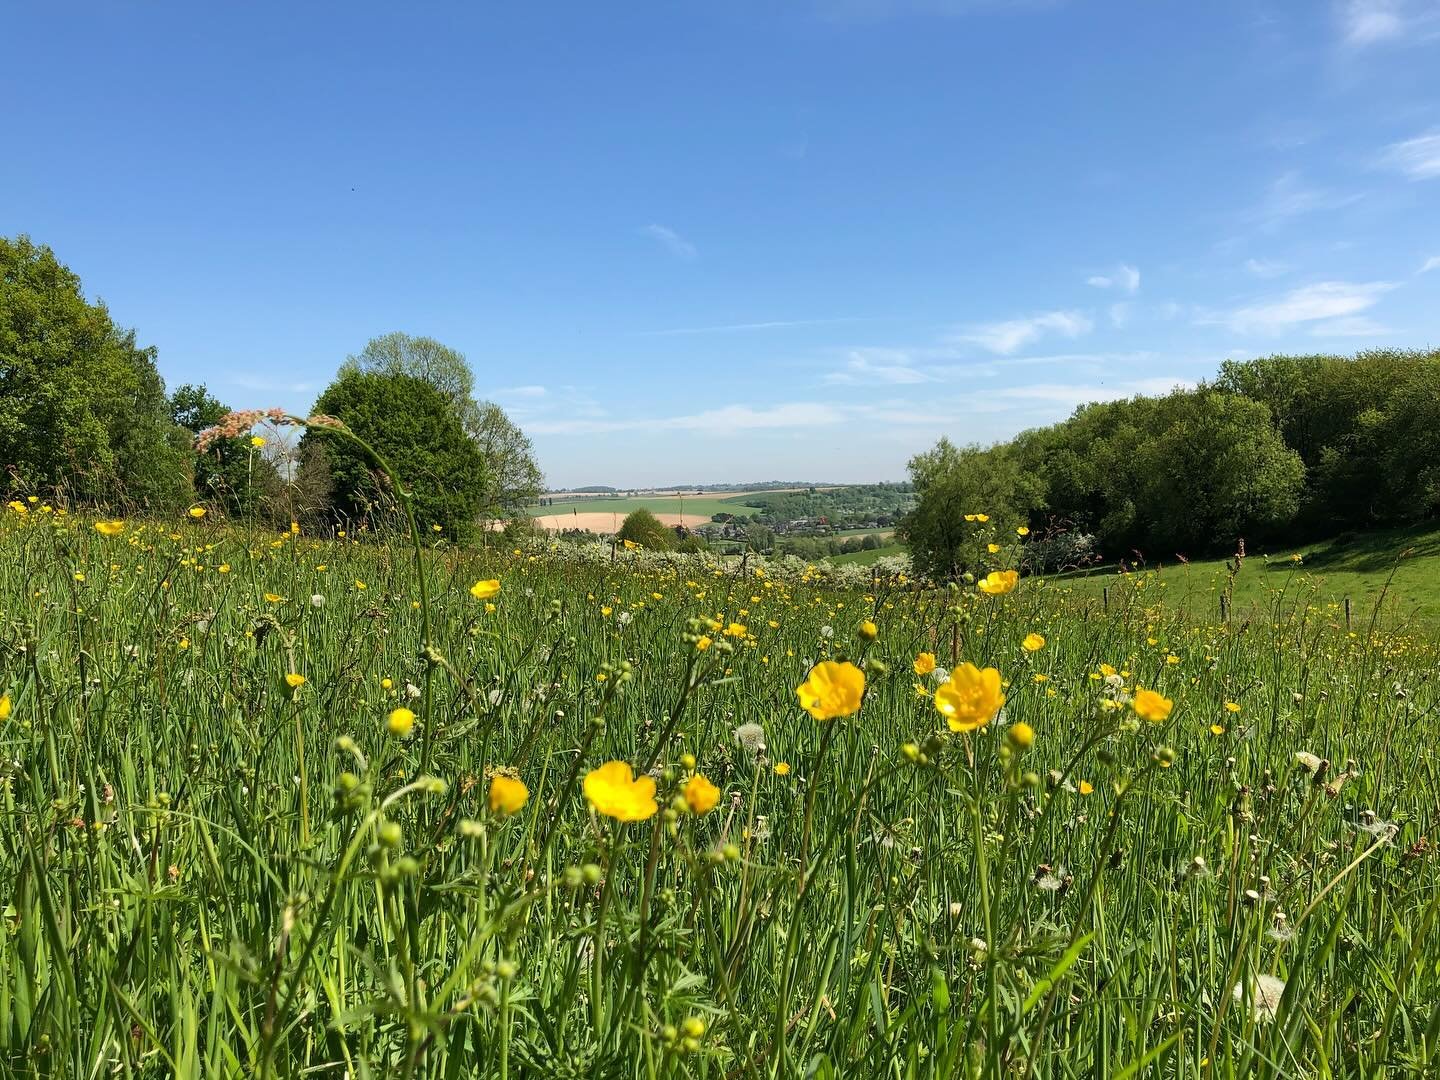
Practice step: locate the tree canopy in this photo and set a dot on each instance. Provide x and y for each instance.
(82, 407)
(410, 424)
(1299, 446)
(644, 528)
(513, 478)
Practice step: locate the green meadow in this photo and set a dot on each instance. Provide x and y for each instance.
(286, 806)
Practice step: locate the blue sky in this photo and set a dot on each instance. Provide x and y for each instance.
(687, 242)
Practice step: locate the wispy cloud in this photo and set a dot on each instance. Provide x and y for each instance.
(507, 392)
(1364, 23)
(1125, 278)
(271, 384)
(890, 367)
(1368, 22)
(1289, 197)
(731, 328)
(1350, 326)
(1011, 335)
(1265, 268)
(672, 241)
(730, 418)
(1432, 263)
(1417, 158)
(1308, 304)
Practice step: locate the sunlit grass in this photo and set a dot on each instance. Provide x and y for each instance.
(209, 870)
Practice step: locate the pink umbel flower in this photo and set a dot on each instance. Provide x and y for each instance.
(233, 425)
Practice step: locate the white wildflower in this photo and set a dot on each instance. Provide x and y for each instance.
(1265, 994)
(750, 738)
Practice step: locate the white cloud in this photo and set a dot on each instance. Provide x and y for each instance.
(1120, 314)
(1432, 263)
(1350, 326)
(1071, 395)
(1417, 158)
(1311, 303)
(1265, 268)
(1289, 197)
(271, 384)
(711, 421)
(1367, 22)
(672, 241)
(1010, 335)
(1126, 278)
(519, 392)
(886, 366)
(1374, 22)
(730, 328)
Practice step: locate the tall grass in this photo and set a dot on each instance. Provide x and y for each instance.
(207, 872)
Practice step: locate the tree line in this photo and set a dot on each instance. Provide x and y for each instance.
(85, 415)
(1293, 447)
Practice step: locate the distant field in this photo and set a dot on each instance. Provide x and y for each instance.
(865, 558)
(1359, 567)
(601, 514)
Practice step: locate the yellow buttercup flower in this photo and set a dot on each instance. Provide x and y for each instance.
(400, 722)
(1149, 705)
(110, 528)
(293, 682)
(992, 548)
(5, 707)
(924, 663)
(1085, 787)
(271, 598)
(869, 631)
(736, 629)
(700, 794)
(1021, 735)
(1021, 530)
(615, 791)
(1231, 706)
(507, 794)
(1033, 642)
(832, 690)
(999, 582)
(197, 512)
(971, 698)
(484, 590)
(703, 642)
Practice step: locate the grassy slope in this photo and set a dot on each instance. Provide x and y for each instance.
(865, 558)
(1403, 565)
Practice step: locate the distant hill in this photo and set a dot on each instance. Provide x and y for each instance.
(666, 489)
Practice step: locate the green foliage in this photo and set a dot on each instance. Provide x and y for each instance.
(840, 507)
(1187, 472)
(953, 481)
(512, 476)
(644, 528)
(1367, 429)
(410, 424)
(1300, 446)
(82, 407)
(231, 473)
